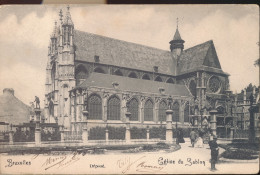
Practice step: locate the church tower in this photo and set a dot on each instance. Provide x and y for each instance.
(60, 70)
(176, 46)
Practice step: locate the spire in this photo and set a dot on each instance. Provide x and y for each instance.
(177, 35)
(177, 41)
(61, 15)
(55, 31)
(67, 20)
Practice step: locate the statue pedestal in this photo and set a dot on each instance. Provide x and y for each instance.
(11, 137)
(37, 128)
(37, 137)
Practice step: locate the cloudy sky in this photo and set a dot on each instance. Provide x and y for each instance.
(25, 32)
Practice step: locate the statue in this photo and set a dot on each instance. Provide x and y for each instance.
(37, 102)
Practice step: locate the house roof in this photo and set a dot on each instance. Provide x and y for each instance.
(133, 84)
(121, 53)
(13, 110)
(135, 56)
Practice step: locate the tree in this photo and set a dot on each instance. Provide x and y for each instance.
(257, 62)
(249, 88)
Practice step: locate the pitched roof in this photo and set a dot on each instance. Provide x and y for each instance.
(121, 53)
(177, 35)
(199, 56)
(133, 84)
(135, 56)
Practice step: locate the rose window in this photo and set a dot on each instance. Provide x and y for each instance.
(214, 84)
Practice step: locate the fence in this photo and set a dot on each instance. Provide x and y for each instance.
(239, 133)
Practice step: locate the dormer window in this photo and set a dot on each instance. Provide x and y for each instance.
(155, 68)
(162, 90)
(115, 85)
(96, 57)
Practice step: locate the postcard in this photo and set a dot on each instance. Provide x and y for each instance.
(129, 89)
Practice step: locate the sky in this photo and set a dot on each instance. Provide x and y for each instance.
(25, 32)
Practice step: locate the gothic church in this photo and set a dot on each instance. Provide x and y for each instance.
(108, 77)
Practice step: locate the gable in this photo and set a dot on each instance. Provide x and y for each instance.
(192, 58)
(211, 59)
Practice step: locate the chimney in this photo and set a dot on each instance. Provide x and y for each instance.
(8, 91)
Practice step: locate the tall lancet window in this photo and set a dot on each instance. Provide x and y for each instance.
(176, 112)
(95, 107)
(133, 109)
(113, 108)
(148, 110)
(186, 113)
(162, 111)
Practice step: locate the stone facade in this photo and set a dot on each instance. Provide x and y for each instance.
(74, 56)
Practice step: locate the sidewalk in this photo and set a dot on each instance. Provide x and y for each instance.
(234, 166)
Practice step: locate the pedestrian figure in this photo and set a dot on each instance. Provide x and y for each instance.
(214, 152)
(193, 137)
(37, 102)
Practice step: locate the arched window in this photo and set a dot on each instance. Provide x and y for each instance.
(158, 78)
(118, 72)
(80, 74)
(192, 87)
(132, 75)
(148, 110)
(99, 70)
(162, 111)
(113, 108)
(94, 107)
(146, 77)
(176, 112)
(186, 113)
(170, 80)
(133, 109)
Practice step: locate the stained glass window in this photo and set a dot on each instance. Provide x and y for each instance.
(133, 109)
(118, 72)
(158, 79)
(170, 80)
(95, 107)
(162, 111)
(132, 75)
(186, 113)
(113, 108)
(146, 77)
(99, 70)
(176, 111)
(192, 88)
(148, 110)
(214, 84)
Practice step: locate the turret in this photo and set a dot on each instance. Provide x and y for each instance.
(67, 28)
(54, 38)
(177, 43)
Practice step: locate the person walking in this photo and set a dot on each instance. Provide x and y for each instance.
(193, 136)
(214, 152)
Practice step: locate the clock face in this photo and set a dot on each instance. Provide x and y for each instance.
(214, 84)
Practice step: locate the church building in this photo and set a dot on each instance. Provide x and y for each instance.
(108, 77)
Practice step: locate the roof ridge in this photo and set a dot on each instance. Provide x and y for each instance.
(209, 41)
(168, 51)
